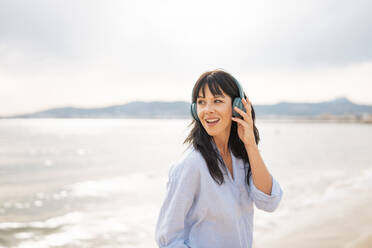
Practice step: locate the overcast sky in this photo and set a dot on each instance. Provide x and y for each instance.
(98, 53)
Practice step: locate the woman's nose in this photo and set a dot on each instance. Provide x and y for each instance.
(209, 108)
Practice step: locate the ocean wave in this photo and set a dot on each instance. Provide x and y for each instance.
(136, 182)
(70, 229)
(70, 218)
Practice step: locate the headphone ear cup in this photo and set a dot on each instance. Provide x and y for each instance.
(237, 103)
(194, 112)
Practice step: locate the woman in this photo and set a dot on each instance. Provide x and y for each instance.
(211, 189)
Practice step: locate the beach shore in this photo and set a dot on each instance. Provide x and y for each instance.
(342, 222)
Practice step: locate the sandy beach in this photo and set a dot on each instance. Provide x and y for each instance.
(65, 185)
(338, 223)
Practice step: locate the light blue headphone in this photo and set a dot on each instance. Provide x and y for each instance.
(236, 103)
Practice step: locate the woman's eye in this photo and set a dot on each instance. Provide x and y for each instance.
(201, 101)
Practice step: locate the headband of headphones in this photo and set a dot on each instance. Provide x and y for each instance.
(241, 93)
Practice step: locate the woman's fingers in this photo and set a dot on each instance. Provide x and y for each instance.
(241, 112)
(240, 121)
(247, 105)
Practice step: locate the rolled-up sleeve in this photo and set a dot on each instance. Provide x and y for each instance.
(264, 201)
(182, 186)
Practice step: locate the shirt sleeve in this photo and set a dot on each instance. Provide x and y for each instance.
(264, 201)
(182, 187)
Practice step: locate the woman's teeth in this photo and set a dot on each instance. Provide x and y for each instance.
(212, 120)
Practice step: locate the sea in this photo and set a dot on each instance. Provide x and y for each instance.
(76, 183)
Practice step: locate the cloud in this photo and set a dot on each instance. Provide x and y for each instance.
(143, 32)
(69, 46)
(320, 33)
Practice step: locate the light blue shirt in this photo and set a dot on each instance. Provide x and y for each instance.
(199, 213)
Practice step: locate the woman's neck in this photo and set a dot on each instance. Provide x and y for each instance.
(222, 145)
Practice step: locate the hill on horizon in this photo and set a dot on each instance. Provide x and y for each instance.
(181, 109)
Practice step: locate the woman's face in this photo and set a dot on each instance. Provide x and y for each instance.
(210, 108)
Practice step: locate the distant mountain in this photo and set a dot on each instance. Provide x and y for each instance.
(130, 110)
(180, 109)
(338, 106)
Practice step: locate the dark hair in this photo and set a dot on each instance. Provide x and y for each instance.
(198, 136)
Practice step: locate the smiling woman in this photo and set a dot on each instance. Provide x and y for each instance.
(212, 188)
(214, 109)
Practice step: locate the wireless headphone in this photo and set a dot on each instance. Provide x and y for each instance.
(236, 103)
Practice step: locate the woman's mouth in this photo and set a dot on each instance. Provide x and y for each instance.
(212, 122)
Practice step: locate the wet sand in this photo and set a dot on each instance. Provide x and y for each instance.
(363, 242)
(338, 223)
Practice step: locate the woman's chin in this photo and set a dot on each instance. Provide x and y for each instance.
(212, 133)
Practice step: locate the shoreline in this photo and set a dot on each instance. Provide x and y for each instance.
(338, 223)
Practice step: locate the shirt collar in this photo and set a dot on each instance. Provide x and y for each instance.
(239, 163)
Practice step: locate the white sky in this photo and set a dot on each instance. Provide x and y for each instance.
(98, 53)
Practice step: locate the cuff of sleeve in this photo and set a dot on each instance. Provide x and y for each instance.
(275, 190)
